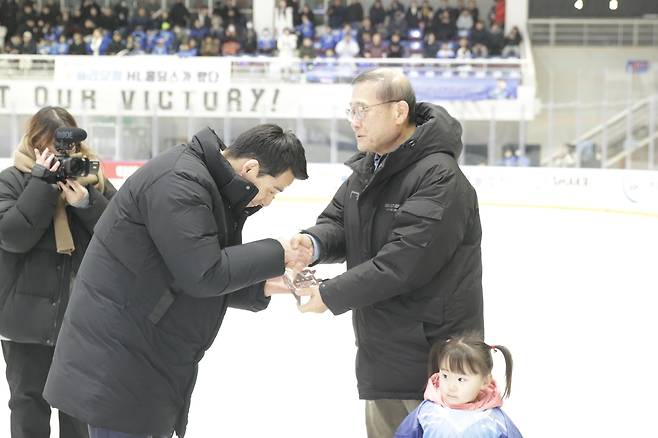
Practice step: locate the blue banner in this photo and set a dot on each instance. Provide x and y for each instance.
(458, 88)
(428, 88)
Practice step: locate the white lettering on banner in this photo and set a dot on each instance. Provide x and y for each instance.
(143, 69)
(184, 77)
(249, 88)
(171, 86)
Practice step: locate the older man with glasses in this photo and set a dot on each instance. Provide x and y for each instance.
(407, 223)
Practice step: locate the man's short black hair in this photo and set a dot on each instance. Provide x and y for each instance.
(275, 150)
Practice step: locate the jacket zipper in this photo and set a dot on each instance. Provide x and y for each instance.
(65, 280)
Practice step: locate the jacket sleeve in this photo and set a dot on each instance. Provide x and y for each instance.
(410, 427)
(178, 215)
(512, 430)
(250, 298)
(26, 215)
(428, 228)
(97, 203)
(329, 230)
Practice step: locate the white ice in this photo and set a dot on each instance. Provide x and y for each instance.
(571, 293)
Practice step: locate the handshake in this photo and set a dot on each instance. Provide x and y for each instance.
(298, 254)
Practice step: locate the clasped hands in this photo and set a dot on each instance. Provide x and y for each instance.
(298, 255)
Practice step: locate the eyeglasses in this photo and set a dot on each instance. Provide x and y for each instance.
(359, 112)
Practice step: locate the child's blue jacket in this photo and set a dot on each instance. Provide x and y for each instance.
(430, 420)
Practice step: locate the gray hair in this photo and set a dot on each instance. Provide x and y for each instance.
(392, 85)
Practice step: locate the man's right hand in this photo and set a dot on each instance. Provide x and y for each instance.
(298, 252)
(303, 240)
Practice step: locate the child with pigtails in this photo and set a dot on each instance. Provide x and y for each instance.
(462, 399)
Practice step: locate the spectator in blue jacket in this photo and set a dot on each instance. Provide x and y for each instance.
(61, 47)
(306, 29)
(266, 42)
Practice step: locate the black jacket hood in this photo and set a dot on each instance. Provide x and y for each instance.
(436, 131)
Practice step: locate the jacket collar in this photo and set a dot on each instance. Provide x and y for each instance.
(488, 398)
(436, 131)
(235, 189)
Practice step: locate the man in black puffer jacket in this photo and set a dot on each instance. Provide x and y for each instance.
(407, 223)
(165, 262)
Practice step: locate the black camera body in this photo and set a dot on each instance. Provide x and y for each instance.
(70, 167)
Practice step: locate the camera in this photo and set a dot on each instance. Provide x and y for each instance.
(67, 139)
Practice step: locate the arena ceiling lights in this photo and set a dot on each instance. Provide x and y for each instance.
(613, 4)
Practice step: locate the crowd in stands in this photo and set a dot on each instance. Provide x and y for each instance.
(344, 31)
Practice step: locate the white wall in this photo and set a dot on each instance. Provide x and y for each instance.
(624, 191)
(516, 14)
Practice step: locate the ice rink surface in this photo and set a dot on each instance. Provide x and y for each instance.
(571, 292)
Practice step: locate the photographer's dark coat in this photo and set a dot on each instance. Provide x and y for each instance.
(35, 280)
(165, 262)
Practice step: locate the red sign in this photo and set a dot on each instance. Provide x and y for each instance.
(120, 169)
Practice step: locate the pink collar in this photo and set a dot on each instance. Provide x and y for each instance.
(488, 398)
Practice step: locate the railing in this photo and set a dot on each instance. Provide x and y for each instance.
(292, 70)
(593, 32)
(620, 137)
(625, 157)
(332, 71)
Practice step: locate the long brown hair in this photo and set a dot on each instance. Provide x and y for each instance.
(469, 354)
(41, 128)
(40, 134)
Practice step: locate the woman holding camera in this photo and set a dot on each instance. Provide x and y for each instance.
(44, 231)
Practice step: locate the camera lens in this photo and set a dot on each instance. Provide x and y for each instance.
(76, 166)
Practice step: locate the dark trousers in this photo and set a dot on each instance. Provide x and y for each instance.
(99, 432)
(27, 370)
(384, 416)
